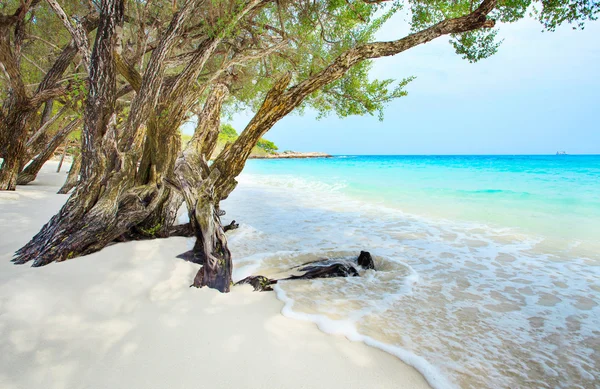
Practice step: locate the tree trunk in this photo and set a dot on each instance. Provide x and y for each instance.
(105, 204)
(197, 186)
(13, 131)
(31, 171)
(72, 177)
(217, 268)
(62, 156)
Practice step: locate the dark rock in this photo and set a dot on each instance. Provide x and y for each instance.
(260, 283)
(365, 260)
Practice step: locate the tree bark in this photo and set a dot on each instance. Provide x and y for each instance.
(102, 207)
(31, 171)
(197, 187)
(72, 177)
(62, 157)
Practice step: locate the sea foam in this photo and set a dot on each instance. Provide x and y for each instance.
(467, 303)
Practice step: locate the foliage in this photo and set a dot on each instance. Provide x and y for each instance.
(227, 133)
(266, 145)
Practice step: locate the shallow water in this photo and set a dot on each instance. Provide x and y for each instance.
(488, 267)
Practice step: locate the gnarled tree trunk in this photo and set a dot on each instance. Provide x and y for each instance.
(198, 189)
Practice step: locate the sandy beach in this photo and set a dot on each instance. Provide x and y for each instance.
(126, 318)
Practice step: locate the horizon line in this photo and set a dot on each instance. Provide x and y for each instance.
(457, 155)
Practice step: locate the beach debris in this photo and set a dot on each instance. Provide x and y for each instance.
(260, 283)
(365, 260)
(231, 226)
(338, 269)
(322, 268)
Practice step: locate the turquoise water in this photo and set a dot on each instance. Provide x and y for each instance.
(488, 267)
(555, 196)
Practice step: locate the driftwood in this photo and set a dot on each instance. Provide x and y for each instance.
(231, 226)
(322, 268)
(338, 269)
(260, 283)
(365, 260)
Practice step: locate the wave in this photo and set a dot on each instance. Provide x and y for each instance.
(348, 329)
(466, 303)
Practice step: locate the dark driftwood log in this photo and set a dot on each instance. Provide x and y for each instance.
(260, 283)
(365, 260)
(231, 226)
(329, 271)
(321, 268)
(263, 284)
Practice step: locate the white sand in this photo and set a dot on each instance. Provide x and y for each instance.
(126, 318)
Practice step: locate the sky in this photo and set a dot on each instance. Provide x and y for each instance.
(539, 94)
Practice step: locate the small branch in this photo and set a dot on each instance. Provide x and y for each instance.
(48, 94)
(33, 63)
(77, 32)
(45, 126)
(39, 38)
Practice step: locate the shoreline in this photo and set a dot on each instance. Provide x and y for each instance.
(125, 317)
(292, 154)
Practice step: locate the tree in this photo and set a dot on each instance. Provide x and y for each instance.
(17, 30)
(266, 145)
(273, 57)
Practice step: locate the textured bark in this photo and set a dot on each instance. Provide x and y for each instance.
(109, 202)
(147, 97)
(77, 32)
(13, 128)
(197, 187)
(31, 171)
(102, 207)
(72, 177)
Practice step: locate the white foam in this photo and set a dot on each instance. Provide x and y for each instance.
(348, 329)
(470, 299)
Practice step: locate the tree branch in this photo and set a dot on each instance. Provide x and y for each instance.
(77, 32)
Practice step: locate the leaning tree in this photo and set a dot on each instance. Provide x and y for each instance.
(134, 178)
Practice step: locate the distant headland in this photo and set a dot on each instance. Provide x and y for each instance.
(291, 154)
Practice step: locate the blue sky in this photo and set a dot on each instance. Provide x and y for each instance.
(540, 93)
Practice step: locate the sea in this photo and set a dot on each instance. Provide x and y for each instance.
(487, 267)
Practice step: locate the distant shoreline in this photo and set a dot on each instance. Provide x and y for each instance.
(292, 154)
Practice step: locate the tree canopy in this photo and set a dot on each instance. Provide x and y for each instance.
(125, 74)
